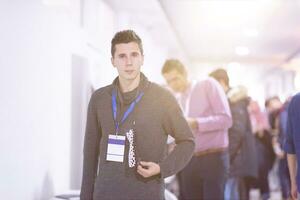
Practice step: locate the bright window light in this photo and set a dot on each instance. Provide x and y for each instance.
(233, 12)
(297, 81)
(57, 2)
(235, 73)
(233, 66)
(242, 51)
(251, 32)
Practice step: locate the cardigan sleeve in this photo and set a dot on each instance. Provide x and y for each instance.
(175, 124)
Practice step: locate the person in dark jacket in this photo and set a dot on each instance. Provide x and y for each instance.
(292, 145)
(128, 124)
(263, 147)
(241, 140)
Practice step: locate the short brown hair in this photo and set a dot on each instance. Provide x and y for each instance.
(173, 64)
(125, 36)
(220, 74)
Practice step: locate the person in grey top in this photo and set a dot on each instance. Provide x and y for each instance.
(128, 123)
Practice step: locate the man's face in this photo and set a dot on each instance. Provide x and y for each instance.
(176, 81)
(128, 60)
(275, 104)
(224, 85)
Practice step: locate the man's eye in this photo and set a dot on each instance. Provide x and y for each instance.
(135, 54)
(122, 56)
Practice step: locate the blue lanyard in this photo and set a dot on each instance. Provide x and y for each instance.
(128, 111)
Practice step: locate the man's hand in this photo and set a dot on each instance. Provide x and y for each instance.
(192, 123)
(148, 169)
(292, 163)
(294, 191)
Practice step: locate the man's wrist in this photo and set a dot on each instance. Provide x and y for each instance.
(293, 181)
(158, 169)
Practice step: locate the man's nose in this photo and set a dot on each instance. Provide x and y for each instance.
(129, 61)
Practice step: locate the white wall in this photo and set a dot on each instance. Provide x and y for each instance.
(35, 78)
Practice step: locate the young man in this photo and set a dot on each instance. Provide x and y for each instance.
(292, 145)
(243, 160)
(207, 111)
(126, 133)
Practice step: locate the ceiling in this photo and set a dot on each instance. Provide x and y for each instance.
(252, 32)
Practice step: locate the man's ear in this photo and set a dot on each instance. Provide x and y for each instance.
(223, 84)
(112, 61)
(143, 59)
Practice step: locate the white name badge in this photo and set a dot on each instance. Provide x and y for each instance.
(115, 148)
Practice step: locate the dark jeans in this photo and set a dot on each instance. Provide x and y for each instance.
(265, 164)
(246, 184)
(204, 177)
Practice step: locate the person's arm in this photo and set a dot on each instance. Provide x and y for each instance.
(91, 152)
(220, 117)
(292, 164)
(174, 124)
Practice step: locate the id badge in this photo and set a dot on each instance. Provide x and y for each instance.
(115, 148)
